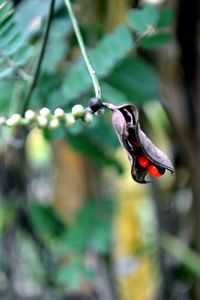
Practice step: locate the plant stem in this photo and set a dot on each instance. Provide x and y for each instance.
(81, 43)
(41, 56)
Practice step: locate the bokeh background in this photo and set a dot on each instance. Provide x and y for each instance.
(73, 224)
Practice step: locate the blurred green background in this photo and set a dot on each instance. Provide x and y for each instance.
(73, 224)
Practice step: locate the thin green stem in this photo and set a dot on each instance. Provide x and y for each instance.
(81, 43)
(40, 58)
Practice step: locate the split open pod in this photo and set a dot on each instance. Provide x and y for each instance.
(143, 155)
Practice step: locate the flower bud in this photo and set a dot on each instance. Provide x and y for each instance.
(69, 120)
(78, 110)
(54, 123)
(100, 112)
(45, 112)
(14, 120)
(87, 118)
(42, 121)
(30, 115)
(59, 113)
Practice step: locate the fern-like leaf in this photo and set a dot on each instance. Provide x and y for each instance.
(108, 52)
(14, 48)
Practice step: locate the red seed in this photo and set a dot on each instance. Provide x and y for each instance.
(135, 143)
(143, 161)
(153, 170)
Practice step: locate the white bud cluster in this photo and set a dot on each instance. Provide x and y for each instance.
(45, 118)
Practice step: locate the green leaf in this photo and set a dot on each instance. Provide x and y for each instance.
(29, 10)
(77, 236)
(166, 17)
(182, 252)
(8, 34)
(57, 46)
(6, 88)
(7, 214)
(55, 99)
(22, 55)
(2, 60)
(6, 73)
(46, 221)
(14, 44)
(70, 275)
(100, 238)
(112, 94)
(151, 14)
(136, 18)
(141, 19)
(155, 40)
(89, 145)
(6, 26)
(91, 228)
(108, 52)
(105, 138)
(73, 273)
(110, 49)
(5, 10)
(136, 79)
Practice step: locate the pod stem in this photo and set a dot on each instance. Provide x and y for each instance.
(81, 43)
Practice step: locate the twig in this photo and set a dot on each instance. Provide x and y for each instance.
(181, 252)
(41, 56)
(83, 50)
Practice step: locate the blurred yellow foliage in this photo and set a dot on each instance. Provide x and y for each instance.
(137, 280)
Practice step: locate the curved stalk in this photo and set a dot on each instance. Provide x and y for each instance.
(81, 43)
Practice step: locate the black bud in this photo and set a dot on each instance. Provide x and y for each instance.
(95, 104)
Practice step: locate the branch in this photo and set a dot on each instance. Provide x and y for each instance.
(41, 56)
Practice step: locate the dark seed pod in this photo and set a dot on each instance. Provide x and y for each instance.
(125, 119)
(95, 104)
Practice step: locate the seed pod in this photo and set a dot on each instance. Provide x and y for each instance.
(125, 119)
